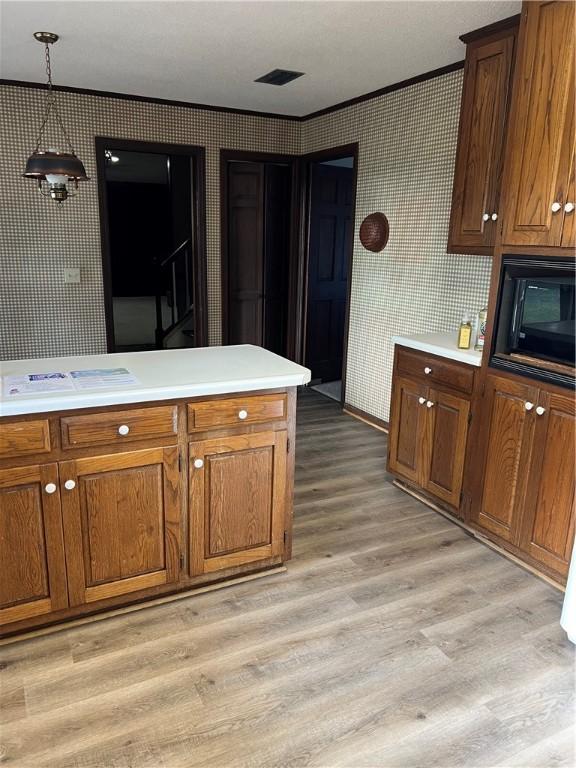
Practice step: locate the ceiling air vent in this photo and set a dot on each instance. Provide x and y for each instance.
(279, 77)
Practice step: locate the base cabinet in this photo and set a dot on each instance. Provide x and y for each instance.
(121, 522)
(33, 579)
(527, 499)
(237, 500)
(429, 428)
(445, 445)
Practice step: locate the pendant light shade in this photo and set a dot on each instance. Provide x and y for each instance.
(54, 167)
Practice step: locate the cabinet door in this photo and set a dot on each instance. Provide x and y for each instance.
(507, 410)
(32, 574)
(408, 413)
(541, 119)
(548, 523)
(121, 522)
(237, 500)
(480, 153)
(445, 445)
(569, 158)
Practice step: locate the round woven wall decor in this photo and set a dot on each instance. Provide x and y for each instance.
(374, 232)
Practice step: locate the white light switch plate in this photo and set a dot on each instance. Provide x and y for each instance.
(72, 275)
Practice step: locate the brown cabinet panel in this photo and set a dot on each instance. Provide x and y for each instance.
(510, 427)
(445, 441)
(541, 120)
(479, 159)
(236, 411)
(408, 413)
(119, 426)
(121, 522)
(32, 574)
(548, 522)
(237, 500)
(435, 370)
(21, 438)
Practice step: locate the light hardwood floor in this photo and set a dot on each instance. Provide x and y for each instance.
(394, 639)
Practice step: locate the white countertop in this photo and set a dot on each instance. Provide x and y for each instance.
(163, 375)
(442, 344)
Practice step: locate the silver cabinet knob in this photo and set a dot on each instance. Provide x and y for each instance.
(429, 404)
(569, 207)
(69, 485)
(555, 207)
(485, 216)
(540, 410)
(242, 414)
(427, 371)
(123, 429)
(198, 463)
(494, 216)
(528, 405)
(50, 487)
(421, 400)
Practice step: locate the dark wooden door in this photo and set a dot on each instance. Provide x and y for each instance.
(477, 177)
(237, 500)
(330, 241)
(121, 522)
(547, 526)
(245, 253)
(277, 242)
(445, 445)
(541, 119)
(407, 419)
(507, 410)
(32, 564)
(258, 253)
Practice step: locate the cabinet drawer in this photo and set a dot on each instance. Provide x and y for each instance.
(24, 437)
(236, 411)
(436, 369)
(119, 426)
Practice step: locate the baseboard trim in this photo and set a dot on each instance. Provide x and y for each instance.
(478, 536)
(367, 418)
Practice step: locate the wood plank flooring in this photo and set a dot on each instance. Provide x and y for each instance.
(393, 640)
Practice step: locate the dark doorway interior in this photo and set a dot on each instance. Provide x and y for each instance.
(151, 229)
(257, 241)
(331, 193)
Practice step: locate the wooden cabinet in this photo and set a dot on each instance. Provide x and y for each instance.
(407, 425)
(547, 526)
(237, 500)
(539, 201)
(505, 411)
(529, 475)
(477, 177)
(445, 445)
(32, 573)
(429, 424)
(121, 522)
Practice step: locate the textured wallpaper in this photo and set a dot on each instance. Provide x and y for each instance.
(407, 145)
(407, 148)
(40, 316)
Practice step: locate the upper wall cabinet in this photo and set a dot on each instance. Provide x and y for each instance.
(539, 175)
(479, 160)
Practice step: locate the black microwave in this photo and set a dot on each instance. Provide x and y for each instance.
(536, 319)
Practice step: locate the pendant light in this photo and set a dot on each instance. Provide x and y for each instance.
(56, 167)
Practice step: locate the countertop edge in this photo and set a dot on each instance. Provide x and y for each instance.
(462, 356)
(24, 407)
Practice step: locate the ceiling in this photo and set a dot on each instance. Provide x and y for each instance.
(211, 52)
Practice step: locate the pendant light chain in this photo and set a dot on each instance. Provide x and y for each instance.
(51, 105)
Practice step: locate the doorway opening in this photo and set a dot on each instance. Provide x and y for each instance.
(153, 244)
(330, 192)
(259, 238)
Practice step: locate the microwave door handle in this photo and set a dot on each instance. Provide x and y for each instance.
(517, 313)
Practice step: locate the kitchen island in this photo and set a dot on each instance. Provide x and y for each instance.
(112, 494)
